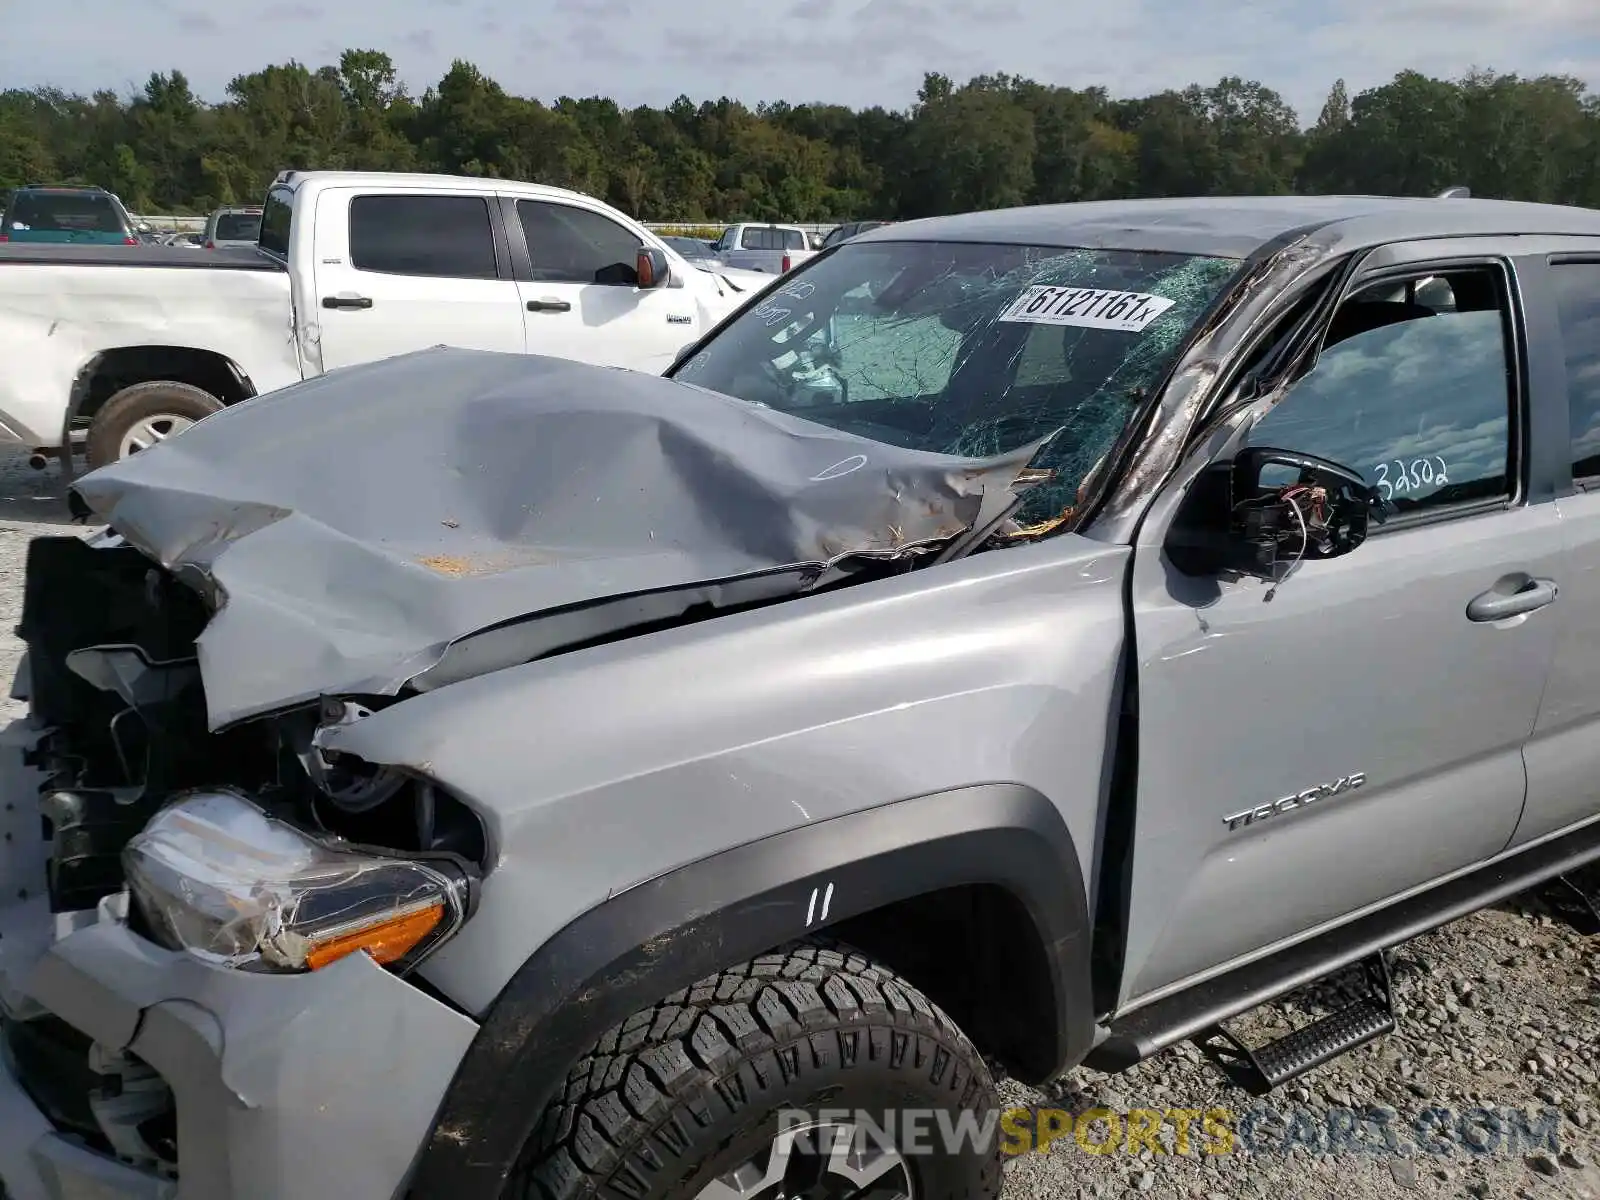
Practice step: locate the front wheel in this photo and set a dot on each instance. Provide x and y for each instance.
(810, 1072)
(138, 417)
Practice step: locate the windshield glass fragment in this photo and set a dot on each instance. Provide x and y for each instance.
(972, 350)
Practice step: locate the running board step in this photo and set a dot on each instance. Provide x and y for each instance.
(1259, 1070)
(1575, 903)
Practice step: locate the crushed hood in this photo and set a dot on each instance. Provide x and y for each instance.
(429, 516)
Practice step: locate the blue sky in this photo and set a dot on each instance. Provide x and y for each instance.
(856, 52)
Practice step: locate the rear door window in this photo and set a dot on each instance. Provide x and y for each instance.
(1578, 303)
(440, 236)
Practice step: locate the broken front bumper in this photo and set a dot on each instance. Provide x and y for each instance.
(280, 1085)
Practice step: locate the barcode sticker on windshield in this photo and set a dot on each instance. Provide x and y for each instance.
(1090, 308)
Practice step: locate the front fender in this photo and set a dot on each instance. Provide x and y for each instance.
(667, 933)
(601, 768)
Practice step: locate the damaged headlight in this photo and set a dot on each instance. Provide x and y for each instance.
(215, 875)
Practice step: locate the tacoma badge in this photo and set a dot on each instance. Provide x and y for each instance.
(1322, 791)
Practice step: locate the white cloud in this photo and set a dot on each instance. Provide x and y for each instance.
(856, 52)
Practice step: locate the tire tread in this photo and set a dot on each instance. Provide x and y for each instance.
(625, 1118)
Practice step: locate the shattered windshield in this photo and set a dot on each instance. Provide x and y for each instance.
(968, 349)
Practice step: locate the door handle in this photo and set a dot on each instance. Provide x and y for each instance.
(549, 304)
(347, 301)
(1509, 599)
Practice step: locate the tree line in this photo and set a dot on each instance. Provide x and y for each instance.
(992, 141)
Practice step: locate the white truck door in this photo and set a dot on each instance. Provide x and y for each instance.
(581, 300)
(400, 270)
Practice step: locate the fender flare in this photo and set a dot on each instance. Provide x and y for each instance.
(663, 935)
(78, 393)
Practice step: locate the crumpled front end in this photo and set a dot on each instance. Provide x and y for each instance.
(132, 1064)
(210, 913)
(347, 533)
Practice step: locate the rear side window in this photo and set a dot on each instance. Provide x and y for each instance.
(277, 217)
(575, 245)
(237, 227)
(1578, 302)
(759, 239)
(65, 212)
(436, 236)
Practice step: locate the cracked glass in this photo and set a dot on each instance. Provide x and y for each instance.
(922, 345)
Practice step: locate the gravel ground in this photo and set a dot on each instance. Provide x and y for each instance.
(1499, 1012)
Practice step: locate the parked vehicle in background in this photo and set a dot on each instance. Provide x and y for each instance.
(772, 249)
(596, 785)
(182, 239)
(81, 216)
(232, 228)
(843, 233)
(118, 349)
(695, 252)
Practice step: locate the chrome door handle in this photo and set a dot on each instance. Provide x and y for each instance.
(1508, 599)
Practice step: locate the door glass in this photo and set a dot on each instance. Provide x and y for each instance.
(447, 236)
(574, 245)
(1578, 301)
(1412, 389)
(754, 239)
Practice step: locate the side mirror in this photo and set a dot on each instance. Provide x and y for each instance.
(1287, 507)
(653, 268)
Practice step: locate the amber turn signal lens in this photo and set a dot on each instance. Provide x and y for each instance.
(387, 942)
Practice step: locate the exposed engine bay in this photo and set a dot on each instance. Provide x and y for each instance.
(113, 674)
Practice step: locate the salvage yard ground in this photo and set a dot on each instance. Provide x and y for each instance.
(1501, 1012)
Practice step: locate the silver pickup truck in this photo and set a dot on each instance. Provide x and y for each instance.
(771, 249)
(1027, 638)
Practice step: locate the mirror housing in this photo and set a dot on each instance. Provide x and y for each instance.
(654, 270)
(1317, 509)
(1268, 510)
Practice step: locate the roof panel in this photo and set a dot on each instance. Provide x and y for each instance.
(1237, 226)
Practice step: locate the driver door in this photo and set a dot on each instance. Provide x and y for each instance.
(1365, 666)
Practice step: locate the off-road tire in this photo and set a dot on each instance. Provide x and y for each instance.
(140, 402)
(679, 1094)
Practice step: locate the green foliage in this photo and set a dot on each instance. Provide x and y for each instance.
(990, 142)
(704, 233)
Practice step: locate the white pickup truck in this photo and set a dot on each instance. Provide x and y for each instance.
(105, 350)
